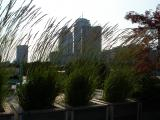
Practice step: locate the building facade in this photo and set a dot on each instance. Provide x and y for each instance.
(91, 43)
(87, 39)
(65, 46)
(22, 54)
(84, 41)
(80, 28)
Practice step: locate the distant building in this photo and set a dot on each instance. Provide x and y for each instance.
(108, 55)
(87, 38)
(84, 41)
(65, 45)
(65, 41)
(53, 57)
(22, 54)
(91, 42)
(80, 28)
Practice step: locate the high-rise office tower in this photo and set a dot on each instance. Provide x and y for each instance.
(65, 41)
(65, 45)
(81, 26)
(87, 38)
(91, 44)
(22, 54)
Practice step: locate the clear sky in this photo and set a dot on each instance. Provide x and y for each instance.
(100, 11)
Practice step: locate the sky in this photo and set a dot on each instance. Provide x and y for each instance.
(99, 11)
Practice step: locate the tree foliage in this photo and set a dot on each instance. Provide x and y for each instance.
(146, 36)
(148, 19)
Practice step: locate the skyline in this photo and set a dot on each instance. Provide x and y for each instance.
(99, 12)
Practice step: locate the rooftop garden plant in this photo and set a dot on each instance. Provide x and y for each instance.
(118, 85)
(39, 91)
(79, 88)
(146, 88)
(4, 87)
(101, 73)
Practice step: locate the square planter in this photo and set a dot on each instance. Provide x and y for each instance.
(7, 114)
(55, 113)
(93, 112)
(48, 114)
(124, 111)
(150, 111)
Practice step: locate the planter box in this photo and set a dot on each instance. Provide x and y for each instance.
(49, 114)
(94, 112)
(150, 111)
(7, 114)
(44, 114)
(90, 112)
(124, 111)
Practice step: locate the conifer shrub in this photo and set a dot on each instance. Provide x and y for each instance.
(60, 81)
(101, 73)
(81, 63)
(39, 91)
(147, 88)
(4, 86)
(117, 86)
(79, 88)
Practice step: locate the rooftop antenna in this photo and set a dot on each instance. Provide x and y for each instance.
(82, 14)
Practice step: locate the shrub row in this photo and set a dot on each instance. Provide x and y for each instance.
(78, 85)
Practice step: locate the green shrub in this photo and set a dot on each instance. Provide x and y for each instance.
(101, 73)
(2, 89)
(79, 88)
(61, 80)
(146, 88)
(118, 86)
(39, 92)
(4, 77)
(80, 63)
